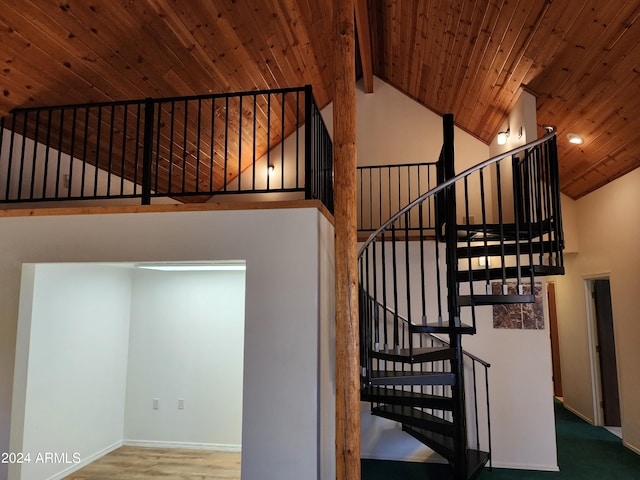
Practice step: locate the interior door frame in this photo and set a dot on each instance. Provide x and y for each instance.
(596, 382)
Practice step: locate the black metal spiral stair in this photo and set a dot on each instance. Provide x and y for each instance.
(421, 280)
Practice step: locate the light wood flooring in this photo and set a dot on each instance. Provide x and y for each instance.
(138, 463)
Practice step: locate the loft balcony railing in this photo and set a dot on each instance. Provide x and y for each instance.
(385, 189)
(188, 149)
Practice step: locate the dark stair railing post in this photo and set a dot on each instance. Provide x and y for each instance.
(451, 237)
(308, 139)
(147, 151)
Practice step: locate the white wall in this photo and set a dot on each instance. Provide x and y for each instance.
(283, 401)
(186, 342)
(609, 228)
(74, 399)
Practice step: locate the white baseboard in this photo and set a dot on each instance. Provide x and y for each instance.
(522, 466)
(188, 445)
(577, 413)
(631, 447)
(85, 461)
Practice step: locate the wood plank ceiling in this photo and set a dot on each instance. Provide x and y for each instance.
(581, 58)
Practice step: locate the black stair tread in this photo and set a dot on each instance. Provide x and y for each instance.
(475, 299)
(481, 274)
(414, 417)
(476, 460)
(443, 327)
(418, 355)
(509, 231)
(394, 377)
(439, 443)
(535, 246)
(405, 397)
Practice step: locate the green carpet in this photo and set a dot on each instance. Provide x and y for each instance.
(585, 452)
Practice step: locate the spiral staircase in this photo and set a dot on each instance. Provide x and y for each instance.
(425, 271)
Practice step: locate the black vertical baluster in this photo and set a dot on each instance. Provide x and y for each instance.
(268, 137)
(74, 119)
(389, 195)
(97, 163)
(308, 147)
(438, 198)
(240, 146)
(384, 292)
(282, 134)
(226, 142)
(10, 160)
(408, 191)
(408, 277)
(379, 196)
(213, 139)
(184, 145)
(297, 139)
(198, 138)
(59, 164)
(548, 216)
(518, 210)
(85, 137)
(501, 228)
(110, 167)
(485, 242)
(370, 199)
(397, 169)
(375, 295)
(137, 148)
(147, 156)
(423, 286)
(531, 207)
(253, 149)
(486, 382)
(475, 403)
(172, 126)
(156, 164)
(124, 148)
(396, 332)
(468, 242)
(6, 195)
(22, 154)
(34, 159)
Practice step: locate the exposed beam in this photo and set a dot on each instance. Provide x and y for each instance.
(364, 44)
(346, 263)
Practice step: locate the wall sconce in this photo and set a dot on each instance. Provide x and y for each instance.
(502, 136)
(271, 169)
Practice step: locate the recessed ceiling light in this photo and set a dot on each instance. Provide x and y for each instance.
(575, 138)
(192, 267)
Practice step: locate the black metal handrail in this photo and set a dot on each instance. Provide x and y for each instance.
(186, 148)
(551, 133)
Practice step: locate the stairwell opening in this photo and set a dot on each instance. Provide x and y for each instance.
(110, 355)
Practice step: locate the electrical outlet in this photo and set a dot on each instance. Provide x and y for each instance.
(65, 181)
(181, 404)
(156, 403)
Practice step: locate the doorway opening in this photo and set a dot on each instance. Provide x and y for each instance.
(133, 354)
(555, 342)
(603, 353)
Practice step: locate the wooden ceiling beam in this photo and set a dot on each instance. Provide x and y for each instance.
(364, 44)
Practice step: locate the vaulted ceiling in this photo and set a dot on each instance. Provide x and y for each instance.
(580, 58)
